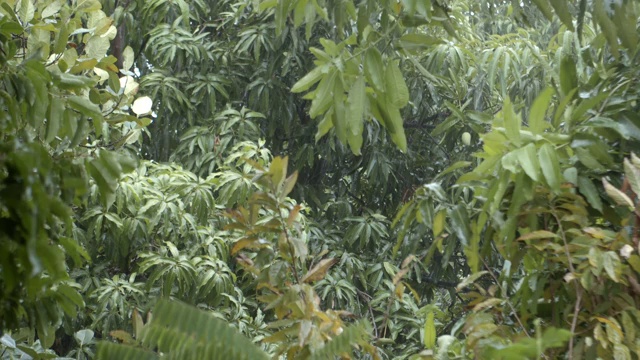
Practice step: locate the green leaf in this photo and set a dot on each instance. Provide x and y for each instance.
(373, 69)
(538, 234)
(84, 106)
(355, 116)
(607, 26)
(460, 223)
(562, 10)
(612, 265)
(590, 192)
(537, 123)
(323, 95)
(430, 331)
(550, 166)
(308, 80)
(511, 122)
(393, 122)
(416, 42)
(529, 161)
(395, 86)
(54, 119)
(439, 222)
(568, 74)
(545, 8)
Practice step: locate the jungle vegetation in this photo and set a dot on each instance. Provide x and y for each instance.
(319, 179)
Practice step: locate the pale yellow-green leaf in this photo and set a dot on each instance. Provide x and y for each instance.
(127, 58)
(511, 122)
(51, 9)
(97, 47)
(104, 75)
(110, 33)
(439, 222)
(528, 159)
(633, 176)
(618, 196)
(430, 331)
(129, 85)
(26, 10)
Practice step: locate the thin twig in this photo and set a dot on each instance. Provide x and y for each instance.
(291, 252)
(367, 298)
(513, 309)
(576, 308)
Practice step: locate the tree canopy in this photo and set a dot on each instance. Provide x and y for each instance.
(295, 179)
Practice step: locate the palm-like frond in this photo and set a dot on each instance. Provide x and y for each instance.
(180, 331)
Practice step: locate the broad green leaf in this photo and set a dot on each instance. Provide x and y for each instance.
(374, 70)
(26, 11)
(568, 75)
(54, 119)
(325, 125)
(340, 112)
(511, 122)
(323, 94)
(537, 123)
(460, 223)
(549, 163)
(395, 86)
(625, 18)
(430, 331)
(355, 116)
(612, 265)
(606, 26)
(97, 47)
(84, 106)
(392, 120)
(127, 58)
(528, 159)
(590, 192)
(51, 9)
(562, 10)
(308, 80)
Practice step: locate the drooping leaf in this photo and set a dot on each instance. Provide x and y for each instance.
(319, 271)
(374, 69)
(618, 196)
(395, 86)
(549, 163)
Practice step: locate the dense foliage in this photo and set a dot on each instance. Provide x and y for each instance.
(317, 179)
